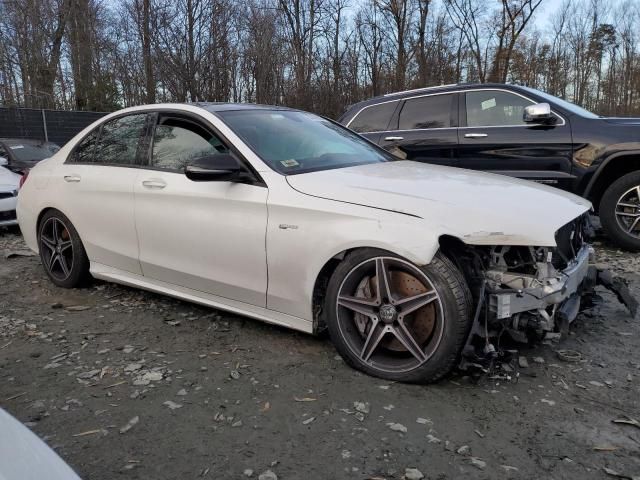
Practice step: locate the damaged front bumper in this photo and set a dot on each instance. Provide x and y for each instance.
(560, 290)
(530, 292)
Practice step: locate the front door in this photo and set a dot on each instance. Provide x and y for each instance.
(494, 138)
(208, 236)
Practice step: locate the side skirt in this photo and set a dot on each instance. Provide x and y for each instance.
(104, 272)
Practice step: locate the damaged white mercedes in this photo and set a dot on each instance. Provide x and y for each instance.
(289, 218)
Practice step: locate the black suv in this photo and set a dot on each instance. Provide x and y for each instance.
(517, 131)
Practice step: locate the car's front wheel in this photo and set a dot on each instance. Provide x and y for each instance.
(620, 211)
(396, 320)
(61, 251)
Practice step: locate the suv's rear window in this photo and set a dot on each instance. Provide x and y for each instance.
(374, 118)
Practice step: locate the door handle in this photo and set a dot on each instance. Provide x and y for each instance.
(154, 184)
(475, 135)
(72, 178)
(391, 139)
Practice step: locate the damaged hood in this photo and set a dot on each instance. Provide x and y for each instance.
(479, 208)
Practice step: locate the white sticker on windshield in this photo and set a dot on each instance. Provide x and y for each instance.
(278, 116)
(289, 163)
(487, 104)
(16, 147)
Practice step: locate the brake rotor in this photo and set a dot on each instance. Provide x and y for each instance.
(403, 285)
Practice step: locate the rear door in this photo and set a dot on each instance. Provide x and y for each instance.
(424, 129)
(96, 186)
(373, 120)
(494, 138)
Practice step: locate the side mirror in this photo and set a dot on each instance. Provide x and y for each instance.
(538, 113)
(3, 162)
(214, 168)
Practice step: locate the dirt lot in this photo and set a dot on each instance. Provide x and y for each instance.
(221, 396)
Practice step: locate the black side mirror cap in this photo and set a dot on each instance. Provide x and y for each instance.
(215, 168)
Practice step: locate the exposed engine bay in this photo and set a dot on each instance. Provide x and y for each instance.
(528, 292)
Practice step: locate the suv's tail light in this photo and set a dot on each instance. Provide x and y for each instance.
(23, 179)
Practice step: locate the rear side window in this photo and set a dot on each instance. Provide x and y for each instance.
(119, 140)
(179, 142)
(375, 118)
(426, 112)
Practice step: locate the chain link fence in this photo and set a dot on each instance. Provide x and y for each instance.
(57, 126)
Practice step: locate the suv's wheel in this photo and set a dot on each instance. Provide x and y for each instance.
(395, 320)
(620, 211)
(63, 256)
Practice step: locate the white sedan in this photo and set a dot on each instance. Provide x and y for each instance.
(290, 218)
(9, 185)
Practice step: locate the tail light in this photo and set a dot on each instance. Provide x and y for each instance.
(23, 179)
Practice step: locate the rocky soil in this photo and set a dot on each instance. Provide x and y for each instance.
(128, 384)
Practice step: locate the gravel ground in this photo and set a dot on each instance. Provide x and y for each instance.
(129, 384)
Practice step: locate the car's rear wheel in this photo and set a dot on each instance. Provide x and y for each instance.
(396, 320)
(620, 211)
(61, 251)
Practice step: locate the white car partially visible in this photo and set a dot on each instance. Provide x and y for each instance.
(23, 456)
(9, 185)
(292, 219)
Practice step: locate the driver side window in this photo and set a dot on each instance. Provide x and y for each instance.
(179, 142)
(495, 108)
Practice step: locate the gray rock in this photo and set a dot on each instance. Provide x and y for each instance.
(268, 475)
(413, 474)
(476, 462)
(89, 374)
(130, 424)
(248, 472)
(362, 407)
(397, 427)
(523, 362)
(172, 405)
(464, 450)
(182, 392)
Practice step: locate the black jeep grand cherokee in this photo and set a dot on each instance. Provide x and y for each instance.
(516, 131)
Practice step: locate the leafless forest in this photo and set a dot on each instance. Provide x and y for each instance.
(320, 55)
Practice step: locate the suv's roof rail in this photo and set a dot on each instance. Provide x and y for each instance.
(420, 89)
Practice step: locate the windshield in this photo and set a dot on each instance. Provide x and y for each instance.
(568, 106)
(293, 142)
(31, 152)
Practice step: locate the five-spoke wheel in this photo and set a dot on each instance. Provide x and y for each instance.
(628, 211)
(396, 320)
(620, 211)
(61, 251)
(57, 248)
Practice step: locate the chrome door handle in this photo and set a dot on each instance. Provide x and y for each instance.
(475, 135)
(72, 178)
(391, 139)
(154, 184)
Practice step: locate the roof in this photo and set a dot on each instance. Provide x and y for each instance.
(226, 107)
(390, 97)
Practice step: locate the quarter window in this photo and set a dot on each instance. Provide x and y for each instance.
(433, 111)
(83, 153)
(179, 142)
(375, 118)
(492, 108)
(119, 140)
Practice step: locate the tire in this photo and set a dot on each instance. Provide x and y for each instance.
(358, 313)
(61, 251)
(616, 218)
